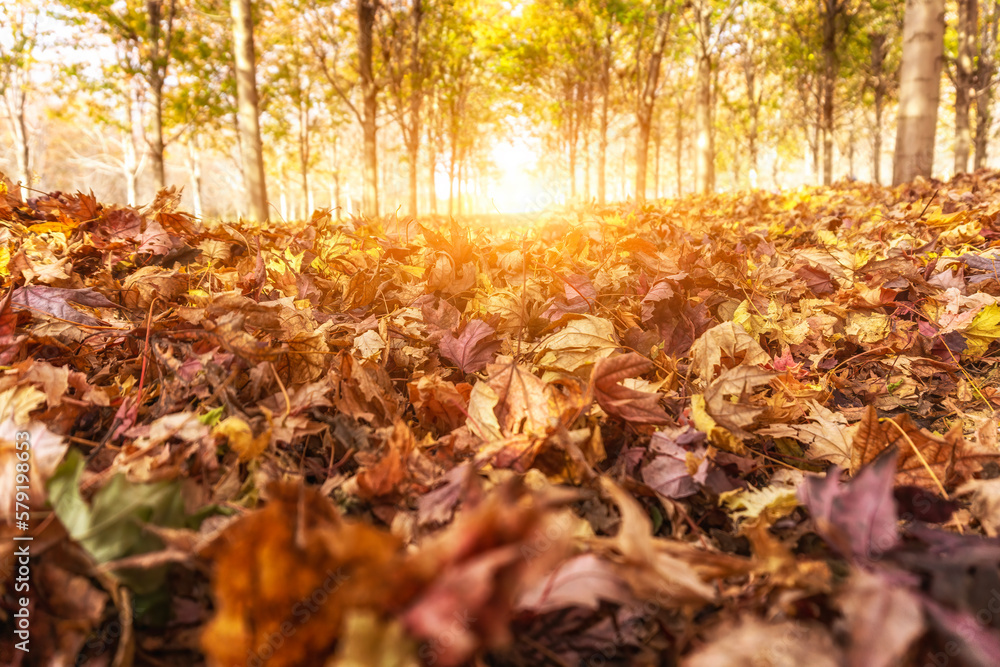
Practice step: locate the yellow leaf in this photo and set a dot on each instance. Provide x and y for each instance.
(867, 328)
(772, 501)
(49, 227)
(720, 437)
(241, 438)
(985, 329)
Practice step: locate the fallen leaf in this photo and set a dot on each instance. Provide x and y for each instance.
(58, 301)
(883, 619)
(858, 518)
(925, 460)
(473, 349)
(638, 407)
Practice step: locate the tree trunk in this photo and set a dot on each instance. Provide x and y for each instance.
(304, 155)
(602, 142)
(878, 52)
(647, 100)
(369, 102)
(679, 138)
(985, 73)
(829, 81)
(703, 126)
(657, 142)
(432, 164)
(159, 58)
(194, 170)
(416, 99)
(571, 141)
(248, 111)
(19, 130)
(968, 33)
(451, 183)
(919, 89)
(156, 147)
(130, 168)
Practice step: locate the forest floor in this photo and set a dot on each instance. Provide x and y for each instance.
(752, 429)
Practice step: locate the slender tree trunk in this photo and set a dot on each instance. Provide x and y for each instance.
(817, 136)
(679, 138)
(647, 100)
(602, 141)
(657, 142)
(968, 33)
(161, 38)
(571, 139)
(416, 99)
(703, 125)
(305, 154)
(156, 148)
(919, 89)
(369, 101)
(829, 81)
(19, 131)
(130, 168)
(451, 183)
(432, 158)
(194, 170)
(282, 198)
(878, 52)
(335, 163)
(985, 79)
(458, 185)
(248, 110)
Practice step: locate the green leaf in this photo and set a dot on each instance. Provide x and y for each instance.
(111, 527)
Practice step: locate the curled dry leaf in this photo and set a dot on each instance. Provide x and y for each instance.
(638, 407)
(925, 460)
(473, 349)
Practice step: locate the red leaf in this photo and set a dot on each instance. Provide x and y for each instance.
(10, 344)
(56, 301)
(638, 407)
(474, 347)
(858, 518)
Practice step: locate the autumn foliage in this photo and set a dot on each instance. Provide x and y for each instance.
(733, 429)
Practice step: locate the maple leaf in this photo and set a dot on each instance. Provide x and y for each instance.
(253, 281)
(653, 573)
(725, 346)
(883, 617)
(582, 581)
(858, 518)
(638, 407)
(681, 465)
(10, 343)
(57, 301)
(438, 315)
(579, 297)
(582, 342)
(829, 436)
(474, 348)
(735, 415)
(925, 460)
(267, 570)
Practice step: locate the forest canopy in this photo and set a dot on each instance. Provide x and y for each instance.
(469, 106)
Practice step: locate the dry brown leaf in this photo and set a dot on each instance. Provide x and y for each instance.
(639, 407)
(949, 460)
(725, 346)
(294, 565)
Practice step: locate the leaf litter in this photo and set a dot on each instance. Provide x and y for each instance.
(718, 430)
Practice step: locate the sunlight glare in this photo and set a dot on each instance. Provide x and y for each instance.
(516, 189)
